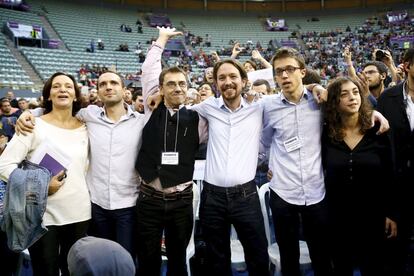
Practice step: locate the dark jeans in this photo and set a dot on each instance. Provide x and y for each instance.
(116, 225)
(238, 205)
(397, 250)
(174, 217)
(315, 229)
(49, 253)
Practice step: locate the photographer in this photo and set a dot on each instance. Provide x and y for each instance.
(385, 57)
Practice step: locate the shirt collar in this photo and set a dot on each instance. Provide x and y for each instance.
(305, 95)
(223, 106)
(128, 109)
(174, 110)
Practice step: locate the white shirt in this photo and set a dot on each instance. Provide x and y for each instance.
(71, 203)
(297, 171)
(112, 179)
(233, 141)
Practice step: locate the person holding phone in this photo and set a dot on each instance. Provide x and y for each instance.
(68, 207)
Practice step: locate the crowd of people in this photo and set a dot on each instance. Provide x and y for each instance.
(338, 159)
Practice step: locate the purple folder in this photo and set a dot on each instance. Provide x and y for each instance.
(51, 164)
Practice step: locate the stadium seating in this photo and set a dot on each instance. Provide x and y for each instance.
(77, 25)
(11, 72)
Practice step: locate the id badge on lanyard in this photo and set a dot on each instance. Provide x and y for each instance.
(169, 158)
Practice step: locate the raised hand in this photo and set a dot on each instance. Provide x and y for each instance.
(168, 32)
(256, 54)
(363, 83)
(347, 55)
(165, 33)
(236, 50)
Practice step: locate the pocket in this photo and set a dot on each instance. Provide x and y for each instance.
(250, 193)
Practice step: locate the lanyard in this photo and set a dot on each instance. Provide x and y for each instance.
(176, 130)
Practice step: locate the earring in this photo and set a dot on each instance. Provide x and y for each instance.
(75, 100)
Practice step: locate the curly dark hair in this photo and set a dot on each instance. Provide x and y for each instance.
(332, 115)
(47, 104)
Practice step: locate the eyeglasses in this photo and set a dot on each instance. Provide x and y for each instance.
(288, 69)
(172, 84)
(370, 72)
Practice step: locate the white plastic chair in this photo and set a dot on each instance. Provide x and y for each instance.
(190, 247)
(237, 252)
(273, 248)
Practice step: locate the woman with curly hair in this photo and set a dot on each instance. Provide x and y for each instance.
(358, 168)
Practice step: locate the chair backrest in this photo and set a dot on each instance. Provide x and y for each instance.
(264, 189)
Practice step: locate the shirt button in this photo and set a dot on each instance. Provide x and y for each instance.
(350, 161)
(350, 169)
(350, 178)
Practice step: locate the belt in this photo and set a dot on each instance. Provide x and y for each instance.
(187, 193)
(244, 189)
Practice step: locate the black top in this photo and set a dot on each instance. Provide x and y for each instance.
(184, 140)
(391, 104)
(359, 181)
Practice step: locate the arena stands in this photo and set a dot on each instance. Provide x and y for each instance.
(11, 72)
(319, 36)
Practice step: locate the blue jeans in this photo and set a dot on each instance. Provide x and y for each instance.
(174, 217)
(238, 205)
(286, 218)
(117, 225)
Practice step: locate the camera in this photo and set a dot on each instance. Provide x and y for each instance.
(380, 55)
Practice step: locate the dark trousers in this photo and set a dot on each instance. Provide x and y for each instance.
(357, 244)
(397, 250)
(174, 217)
(239, 205)
(117, 225)
(49, 253)
(9, 259)
(315, 229)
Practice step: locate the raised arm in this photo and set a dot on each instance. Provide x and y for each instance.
(256, 55)
(389, 62)
(236, 50)
(151, 68)
(348, 60)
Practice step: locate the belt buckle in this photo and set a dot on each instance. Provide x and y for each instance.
(169, 197)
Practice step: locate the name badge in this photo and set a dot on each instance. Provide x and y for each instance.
(292, 144)
(169, 158)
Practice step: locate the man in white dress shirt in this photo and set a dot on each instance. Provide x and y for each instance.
(229, 193)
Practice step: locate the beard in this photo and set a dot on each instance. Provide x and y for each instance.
(375, 85)
(229, 95)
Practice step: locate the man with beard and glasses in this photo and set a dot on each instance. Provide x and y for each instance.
(375, 73)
